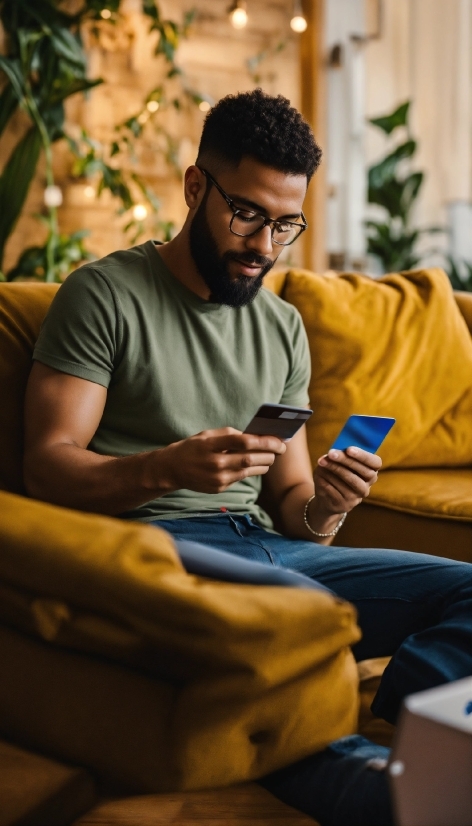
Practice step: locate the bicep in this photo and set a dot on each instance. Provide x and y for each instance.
(60, 408)
(291, 469)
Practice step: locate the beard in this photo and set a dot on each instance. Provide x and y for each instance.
(234, 291)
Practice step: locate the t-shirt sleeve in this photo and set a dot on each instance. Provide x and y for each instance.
(81, 332)
(298, 380)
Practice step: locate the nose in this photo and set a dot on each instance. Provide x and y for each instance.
(261, 242)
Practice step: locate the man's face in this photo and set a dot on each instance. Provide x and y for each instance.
(233, 267)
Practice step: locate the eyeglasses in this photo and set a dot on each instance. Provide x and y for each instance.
(246, 222)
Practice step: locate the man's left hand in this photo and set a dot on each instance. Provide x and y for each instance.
(343, 478)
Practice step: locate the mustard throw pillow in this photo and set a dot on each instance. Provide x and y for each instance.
(395, 346)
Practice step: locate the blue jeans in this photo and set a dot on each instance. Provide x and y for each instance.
(413, 607)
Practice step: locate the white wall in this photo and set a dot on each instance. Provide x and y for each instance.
(424, 54)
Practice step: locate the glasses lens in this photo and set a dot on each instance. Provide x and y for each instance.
(246, 223)
(285, 233)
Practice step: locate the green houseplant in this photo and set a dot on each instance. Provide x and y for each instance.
(394, 188)
(44, 64)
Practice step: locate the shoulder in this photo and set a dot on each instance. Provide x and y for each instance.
(278, 310)
(123, 267)
(107, 278)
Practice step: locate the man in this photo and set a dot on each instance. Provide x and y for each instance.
(150, 364)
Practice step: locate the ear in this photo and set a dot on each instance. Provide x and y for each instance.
(194, 186)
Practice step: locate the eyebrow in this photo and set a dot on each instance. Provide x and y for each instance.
(238, 199)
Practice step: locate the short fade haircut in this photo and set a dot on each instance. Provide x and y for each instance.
(264, 127)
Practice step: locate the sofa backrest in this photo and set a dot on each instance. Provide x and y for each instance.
(22, 309)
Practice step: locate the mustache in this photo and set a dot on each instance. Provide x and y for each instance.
(249, 258)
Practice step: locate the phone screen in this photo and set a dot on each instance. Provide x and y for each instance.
(279, 420)
(366, 432)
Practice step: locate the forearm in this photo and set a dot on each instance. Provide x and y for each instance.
(291, 510)
(67, 475)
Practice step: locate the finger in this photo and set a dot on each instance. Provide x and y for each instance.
(230, 477)
(368, 459)
(340, 457)
(218, 432)
(345, 482)
(347, 468)
(242, 461)
(247, 442)
(339, 496)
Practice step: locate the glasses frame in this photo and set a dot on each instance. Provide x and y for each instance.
(267, 222)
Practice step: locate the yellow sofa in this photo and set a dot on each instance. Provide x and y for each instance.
(73, 627)
(398, 346)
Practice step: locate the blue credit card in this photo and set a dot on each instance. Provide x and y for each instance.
(366, 432)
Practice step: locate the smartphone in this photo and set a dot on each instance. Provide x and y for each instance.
(366, 432)
(279, 420)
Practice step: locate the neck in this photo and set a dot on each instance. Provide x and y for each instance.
(178, 259)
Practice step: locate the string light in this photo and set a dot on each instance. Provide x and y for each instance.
(204, 106)
(298, 22)
(152, 105)
(143, 118)
(52, 196)
(139, 212)
(89, 191)
(105, 14)
(238, 14)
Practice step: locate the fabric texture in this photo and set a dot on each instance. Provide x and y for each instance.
(395, 346)
(420, 492)
(207, 683)
(126, 322)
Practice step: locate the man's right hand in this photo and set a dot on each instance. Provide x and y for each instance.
(62, 413)
(212, 460)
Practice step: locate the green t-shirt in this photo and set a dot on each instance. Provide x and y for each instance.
(173, 363)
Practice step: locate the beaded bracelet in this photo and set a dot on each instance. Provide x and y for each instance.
(316, 533)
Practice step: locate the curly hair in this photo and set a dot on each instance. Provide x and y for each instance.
(265, 127)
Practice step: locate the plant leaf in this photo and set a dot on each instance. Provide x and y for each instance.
(380, 173)
(8, 105)
(68, 47)
(388, 123)
(15, 181)
(12, 69)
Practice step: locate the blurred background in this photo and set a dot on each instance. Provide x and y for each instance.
(103, 102)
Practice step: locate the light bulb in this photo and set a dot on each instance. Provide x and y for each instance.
(143, 118)
(105, 14)
(52, 196)
(152, 105)
(298, 24)
(89, 191)
(139, 212)
(204, 106)
(238, 14)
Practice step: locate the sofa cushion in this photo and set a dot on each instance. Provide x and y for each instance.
(417, 510)
(22, 309)
(123, 662)
(396, 346)
(444, 494)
